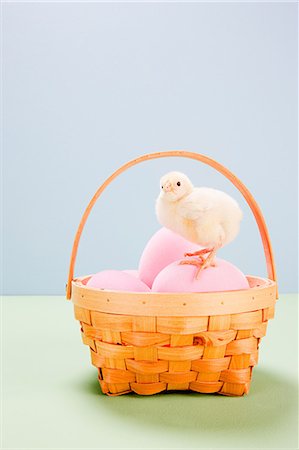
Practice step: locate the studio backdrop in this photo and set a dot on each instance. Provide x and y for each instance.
(89, 86)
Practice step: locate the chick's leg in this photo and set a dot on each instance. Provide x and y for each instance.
(204, 262)
(199, 252)
(201, 263)
(193, 262)
(209, 261)
(198, 262)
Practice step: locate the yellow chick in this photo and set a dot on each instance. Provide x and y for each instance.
(205, 216)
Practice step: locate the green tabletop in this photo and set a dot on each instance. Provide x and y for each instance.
(51, 397)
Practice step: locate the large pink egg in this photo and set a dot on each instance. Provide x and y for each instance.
(117, 280)
(181, 278)
(162, 249)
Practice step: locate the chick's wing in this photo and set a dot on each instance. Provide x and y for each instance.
(195, 205)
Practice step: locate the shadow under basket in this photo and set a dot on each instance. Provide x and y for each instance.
(152, 342)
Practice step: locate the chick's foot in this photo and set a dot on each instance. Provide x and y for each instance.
(199, 253)
(201, 263)
(194, 262)
(209, 261)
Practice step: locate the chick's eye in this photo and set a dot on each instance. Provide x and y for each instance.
(161, 187)
(178, 183)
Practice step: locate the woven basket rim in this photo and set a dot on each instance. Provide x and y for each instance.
(80, 281)
(262, 294)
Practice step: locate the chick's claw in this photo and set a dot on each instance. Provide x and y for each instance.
(194, 262)
(201, 262)
(210, 259)
(191, 262)
(199, 252)
(200, 259)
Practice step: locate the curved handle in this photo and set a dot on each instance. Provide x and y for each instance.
(229, 175)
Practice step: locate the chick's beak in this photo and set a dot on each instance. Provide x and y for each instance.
(167, 187)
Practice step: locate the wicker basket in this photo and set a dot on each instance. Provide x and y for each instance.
(152, 342)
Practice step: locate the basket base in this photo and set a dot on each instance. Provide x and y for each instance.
(227, 389)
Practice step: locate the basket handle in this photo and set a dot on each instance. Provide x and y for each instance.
(192, 155)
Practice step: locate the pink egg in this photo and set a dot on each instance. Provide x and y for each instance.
(162, 249)
(181, 278)
(133, 272)
(117, 280)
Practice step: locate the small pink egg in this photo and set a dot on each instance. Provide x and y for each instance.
(133, 272)
(162, 249)
(181, 278)
(117, 280)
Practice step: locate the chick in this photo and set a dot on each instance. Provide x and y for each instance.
(205, 216)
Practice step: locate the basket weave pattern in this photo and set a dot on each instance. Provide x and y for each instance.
(148, 355)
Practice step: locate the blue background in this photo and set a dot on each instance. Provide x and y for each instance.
(88, 86)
